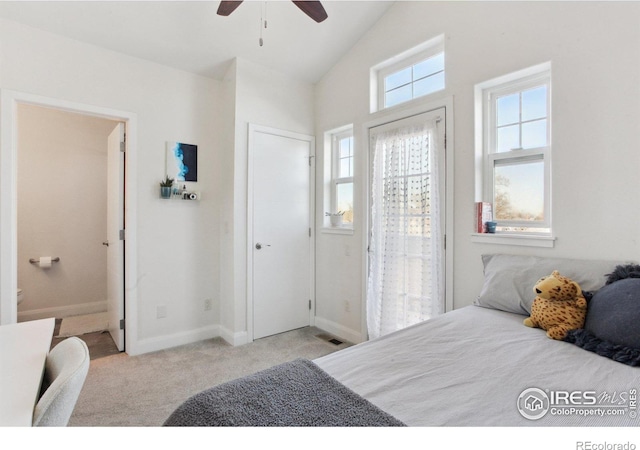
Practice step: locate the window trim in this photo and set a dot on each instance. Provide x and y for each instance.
(486, 156)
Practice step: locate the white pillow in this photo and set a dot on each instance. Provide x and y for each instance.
(509, 279)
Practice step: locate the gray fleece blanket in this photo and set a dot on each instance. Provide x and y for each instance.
(296, 393)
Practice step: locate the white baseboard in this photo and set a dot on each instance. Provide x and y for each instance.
(187, 337)
(235, 339)
(241, 337)
(347, 334)
(62, 311)
(176, 339)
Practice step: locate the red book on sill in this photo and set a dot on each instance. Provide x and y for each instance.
(484, 214)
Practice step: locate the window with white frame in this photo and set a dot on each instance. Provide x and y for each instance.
(516, 146)
(410, 75)
(342, 165)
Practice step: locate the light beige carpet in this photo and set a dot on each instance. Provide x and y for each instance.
(143, 390)
(79, 325)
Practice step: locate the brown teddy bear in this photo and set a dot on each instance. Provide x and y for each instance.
(558, 307)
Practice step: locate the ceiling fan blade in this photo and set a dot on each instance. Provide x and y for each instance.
(227, 8)
(313, 9)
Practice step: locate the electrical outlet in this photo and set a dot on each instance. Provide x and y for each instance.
(161, 312)
(347, 306)
(207, 304)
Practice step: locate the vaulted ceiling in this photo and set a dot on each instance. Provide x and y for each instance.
(189, 35)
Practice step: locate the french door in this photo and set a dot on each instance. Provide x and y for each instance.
(406, 281)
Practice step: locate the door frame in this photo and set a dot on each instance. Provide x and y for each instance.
(9, 100)
(390, 117)
(253, 130)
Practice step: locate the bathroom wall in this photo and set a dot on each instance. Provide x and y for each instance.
(62, 206)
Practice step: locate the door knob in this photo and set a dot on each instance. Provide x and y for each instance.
(106, 243)
(259, 245)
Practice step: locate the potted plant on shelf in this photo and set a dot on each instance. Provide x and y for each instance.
(165, 187)
(336, 218)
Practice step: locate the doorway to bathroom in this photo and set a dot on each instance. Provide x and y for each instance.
(70, 211)
(10, 100)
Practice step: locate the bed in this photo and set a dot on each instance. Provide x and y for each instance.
(474, 366)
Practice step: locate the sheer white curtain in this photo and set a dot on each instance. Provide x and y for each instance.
(406, 275)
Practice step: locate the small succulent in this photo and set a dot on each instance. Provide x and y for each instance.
(167, 182)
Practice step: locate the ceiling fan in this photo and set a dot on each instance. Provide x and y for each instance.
(313, 9)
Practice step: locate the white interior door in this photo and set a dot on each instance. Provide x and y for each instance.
(115, 246)
(280, 231)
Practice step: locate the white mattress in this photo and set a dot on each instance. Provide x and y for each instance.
(470, 366)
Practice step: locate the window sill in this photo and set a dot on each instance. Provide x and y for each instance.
(526, 240)
(337, 230)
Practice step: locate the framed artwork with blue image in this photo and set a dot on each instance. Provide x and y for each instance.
(182, 161)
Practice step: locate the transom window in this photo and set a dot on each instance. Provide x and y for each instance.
(516, 150)
(414, 81)
(415, 73)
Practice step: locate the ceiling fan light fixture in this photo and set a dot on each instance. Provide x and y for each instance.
(313, 9)
(227, 7)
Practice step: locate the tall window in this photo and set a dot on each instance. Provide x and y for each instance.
(342, 176)
(516, 150)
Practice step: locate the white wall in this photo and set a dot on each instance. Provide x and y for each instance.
(258, 96)
(62, 211)
(227, 235)
(593, 48)
(177, 241)
(188, 252)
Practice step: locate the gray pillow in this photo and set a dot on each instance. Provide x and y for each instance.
(509, 279)
(614, 313)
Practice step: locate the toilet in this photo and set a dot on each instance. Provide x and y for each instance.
(20, 296)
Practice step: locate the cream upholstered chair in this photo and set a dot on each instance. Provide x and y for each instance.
(65, 371)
